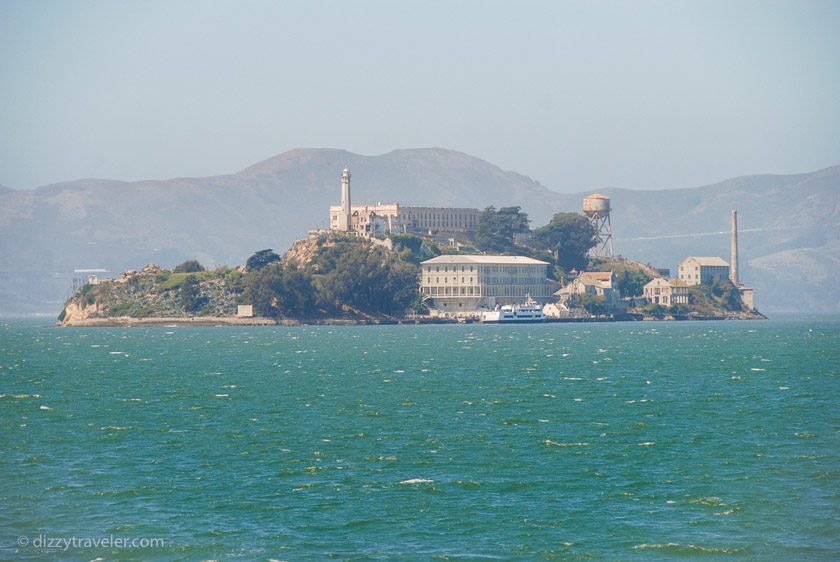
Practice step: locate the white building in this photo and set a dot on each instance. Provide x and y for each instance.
(666, 292)
(696, 270)
(388, 218)
(593, 283)
(454, 283)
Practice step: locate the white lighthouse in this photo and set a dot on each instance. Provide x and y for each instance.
(345, 219)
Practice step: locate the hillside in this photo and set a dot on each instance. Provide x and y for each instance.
(787, 221)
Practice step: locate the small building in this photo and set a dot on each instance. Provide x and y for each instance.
(593, 283)
(696, 270)
(666, 292)
(465, 283)
(245, 311)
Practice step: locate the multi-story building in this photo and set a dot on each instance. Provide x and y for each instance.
(465, 283)
(593, 283)
(391, 218)
(666, 292)
(696, 270)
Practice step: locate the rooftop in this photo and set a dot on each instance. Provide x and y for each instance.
(708, 260)
(597, 275)
(484, 259)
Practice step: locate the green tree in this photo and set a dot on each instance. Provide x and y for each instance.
(297, 293)
(495, 230)
(367, 278)
(262, 287)
(190, 295)
(261, 259)
(189, 266)
(569, 237)
(630, 279)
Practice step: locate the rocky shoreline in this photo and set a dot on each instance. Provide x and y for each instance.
(180, 321)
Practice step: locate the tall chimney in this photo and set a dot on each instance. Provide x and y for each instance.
(733, 266)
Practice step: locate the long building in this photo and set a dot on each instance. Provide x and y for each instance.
(392, 218)
(465, 283)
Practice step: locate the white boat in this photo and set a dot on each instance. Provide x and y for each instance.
(530, 311)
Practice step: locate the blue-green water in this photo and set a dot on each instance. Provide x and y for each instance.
(594, 441)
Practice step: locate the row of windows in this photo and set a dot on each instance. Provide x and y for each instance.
(532, 269)
(509, 291)
(446, 280)
(452, 291)
(486, 280)
(435, 220)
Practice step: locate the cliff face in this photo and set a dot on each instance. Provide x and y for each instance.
(156, 293)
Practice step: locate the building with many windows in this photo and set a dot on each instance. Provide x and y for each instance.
(696, 270)
(666, 292)
(465, 283)
(393, 218)
(592, 283)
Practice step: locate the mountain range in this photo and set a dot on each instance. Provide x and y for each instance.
(789, 245)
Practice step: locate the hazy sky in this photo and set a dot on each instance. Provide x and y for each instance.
(577, 95)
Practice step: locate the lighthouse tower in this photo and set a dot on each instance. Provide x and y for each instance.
(345, 220)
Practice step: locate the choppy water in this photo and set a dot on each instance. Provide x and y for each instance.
(602, 441)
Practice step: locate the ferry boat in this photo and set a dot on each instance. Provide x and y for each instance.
(530, 311)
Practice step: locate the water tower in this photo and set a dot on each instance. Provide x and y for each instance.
(597, 208)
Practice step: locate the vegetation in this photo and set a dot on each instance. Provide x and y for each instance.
(495, 230)
(568, 236)
(630, 276)
(367, 278)
(594, 304)
(191, 299)
(414, 249)
(189, 266)
(261, 259)
(719, 297)
(277, 291)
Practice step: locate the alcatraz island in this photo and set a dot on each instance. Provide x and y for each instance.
(390, 263)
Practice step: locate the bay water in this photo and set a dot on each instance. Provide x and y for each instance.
(620, 441)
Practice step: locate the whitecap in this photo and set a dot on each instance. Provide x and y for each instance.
(647, 444)
(221, 395)
(416, 481)
(756, 369)
(558, 444)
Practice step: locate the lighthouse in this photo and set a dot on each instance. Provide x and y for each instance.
(345, 220)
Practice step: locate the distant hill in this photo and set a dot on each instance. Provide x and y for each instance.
(790, 257)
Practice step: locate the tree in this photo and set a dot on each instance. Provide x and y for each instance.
(297, 295)
(190, 296)
(262, 287)
(366, 278)
(261, 259)
(495, 230)
(630, 279)
(569, 237)
(189, 266)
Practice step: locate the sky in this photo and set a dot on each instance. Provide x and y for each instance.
(577, 95)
